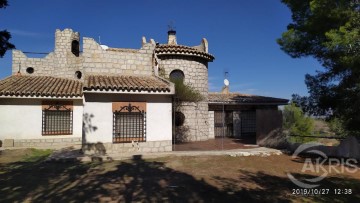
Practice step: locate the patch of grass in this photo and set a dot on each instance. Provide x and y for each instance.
(36, 155)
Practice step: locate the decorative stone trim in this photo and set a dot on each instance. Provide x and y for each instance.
(51, 143)
(142, 147)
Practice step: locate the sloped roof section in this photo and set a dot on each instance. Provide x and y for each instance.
(40, 86)
(171, 49)
(238, 98)
(126, 83)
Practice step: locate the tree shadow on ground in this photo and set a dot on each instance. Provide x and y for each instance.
(128, 181)
(138, 180)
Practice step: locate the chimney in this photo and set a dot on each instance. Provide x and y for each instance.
(225, 90)
(172, 37)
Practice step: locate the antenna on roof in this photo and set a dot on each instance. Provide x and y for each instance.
(99, 40)
(226, 88)
(226, 81)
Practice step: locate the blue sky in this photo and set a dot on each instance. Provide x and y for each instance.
(241, 34)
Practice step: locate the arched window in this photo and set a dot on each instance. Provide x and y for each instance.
(75, 47)
(179, 118)
(177, 75)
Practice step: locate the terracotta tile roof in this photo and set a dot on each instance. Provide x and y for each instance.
(238, 98)
(40, 86)
(127, 83)
(166, 49)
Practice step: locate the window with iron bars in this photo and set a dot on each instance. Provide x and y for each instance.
(129, 124)
(57, 119)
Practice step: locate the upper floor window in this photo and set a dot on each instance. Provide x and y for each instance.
(177, 75)
(75, 47)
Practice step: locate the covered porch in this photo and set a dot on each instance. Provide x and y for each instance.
(245, 118)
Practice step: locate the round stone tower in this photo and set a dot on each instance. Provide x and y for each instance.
(191, 65)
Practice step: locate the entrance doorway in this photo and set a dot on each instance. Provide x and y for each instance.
(236, 124)
(223, 126)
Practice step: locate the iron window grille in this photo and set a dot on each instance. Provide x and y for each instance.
(57, 120)
(129, 124)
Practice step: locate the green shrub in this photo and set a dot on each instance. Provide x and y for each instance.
(297, 124)
(336, 126)
(186, 93)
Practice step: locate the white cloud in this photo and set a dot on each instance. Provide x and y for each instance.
(25, 33)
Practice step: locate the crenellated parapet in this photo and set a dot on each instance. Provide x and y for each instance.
(103, 59)
(67, 60)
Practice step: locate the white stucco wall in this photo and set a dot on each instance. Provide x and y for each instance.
(99, 126)
(22, 119)
(98, 122)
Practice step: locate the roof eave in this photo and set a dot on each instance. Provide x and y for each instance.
(41, 97)
(98, 91)
(249, 103)
(208, 58)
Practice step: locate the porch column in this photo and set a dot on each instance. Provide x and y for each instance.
(237, 124)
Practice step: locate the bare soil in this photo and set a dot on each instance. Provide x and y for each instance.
(8, 156)
(168, 179)
(214, 144)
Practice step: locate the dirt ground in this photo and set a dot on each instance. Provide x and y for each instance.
(8, 156)
(167, 179)
(213, 144)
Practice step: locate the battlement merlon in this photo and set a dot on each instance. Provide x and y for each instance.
(64, 40)
(204, 46)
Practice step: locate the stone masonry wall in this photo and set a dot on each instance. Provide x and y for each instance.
(42, 66)
(68, 63)
(94, 59)
(196, 125)
(120, 61)
(195, 70)
(45, 143)
(62, 62)
(136, 147)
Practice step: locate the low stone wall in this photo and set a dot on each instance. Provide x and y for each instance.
(48, 142)
(110, 148)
